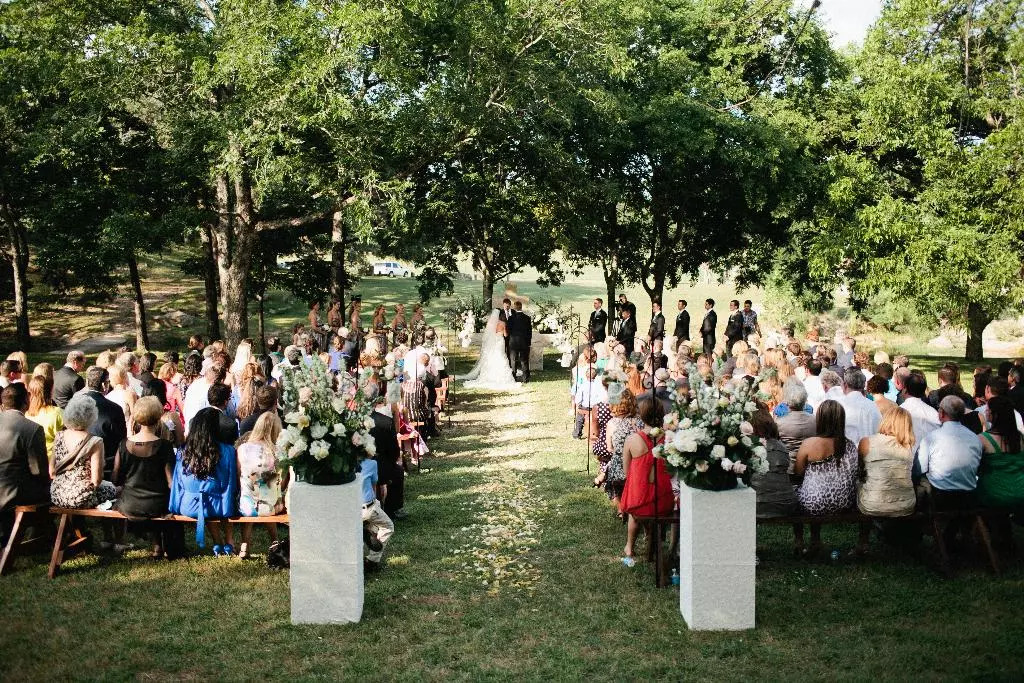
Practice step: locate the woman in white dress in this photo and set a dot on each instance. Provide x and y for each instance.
(492, 371)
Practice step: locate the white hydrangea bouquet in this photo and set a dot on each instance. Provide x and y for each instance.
(327, 429)
(709, 441)
(468, 328)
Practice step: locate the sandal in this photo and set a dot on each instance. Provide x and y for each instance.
(228, 549)
(217, 551)
(628, 561)
(243, 551)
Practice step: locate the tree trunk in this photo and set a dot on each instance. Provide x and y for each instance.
(141, 331)
(338, 258)
(977, 321)
(19, 264)
(235, 238)
(611, 281)
(210, 282)
(262, 297)
(488, 292)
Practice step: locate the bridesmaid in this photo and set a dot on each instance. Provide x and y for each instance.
(334, 320)
(417, 324)
(380, 327)
(398, 324)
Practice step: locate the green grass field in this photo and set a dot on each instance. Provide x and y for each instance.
(506, 488)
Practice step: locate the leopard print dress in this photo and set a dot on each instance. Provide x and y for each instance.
(829, 485)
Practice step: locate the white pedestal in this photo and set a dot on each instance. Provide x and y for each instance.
(326, 576)
(717, 556)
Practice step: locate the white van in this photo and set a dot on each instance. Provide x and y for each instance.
(391, 269)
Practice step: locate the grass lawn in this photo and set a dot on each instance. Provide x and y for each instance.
(508, 568)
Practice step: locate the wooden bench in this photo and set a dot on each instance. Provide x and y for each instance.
(23, 516)
(63, 551)
(933, 518)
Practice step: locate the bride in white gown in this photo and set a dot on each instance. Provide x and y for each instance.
(492, 371)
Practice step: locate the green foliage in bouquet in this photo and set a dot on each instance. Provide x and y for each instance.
(709, 441)
(327, 424)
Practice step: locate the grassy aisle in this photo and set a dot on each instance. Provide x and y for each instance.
(508, 567)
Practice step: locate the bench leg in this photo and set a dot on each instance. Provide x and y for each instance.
(10, 550)
(940, 542)
(986, 540)
(58, 551)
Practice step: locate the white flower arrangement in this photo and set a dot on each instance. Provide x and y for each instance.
(327, 427)
(468, 328)
(708, 438)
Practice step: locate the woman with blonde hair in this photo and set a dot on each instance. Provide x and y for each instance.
(43, 370)
(261, 486)
(43, 411)
(243, 355)
(167, 373)
(886, 459)
(21, 357)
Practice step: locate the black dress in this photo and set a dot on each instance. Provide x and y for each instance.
(144, 477)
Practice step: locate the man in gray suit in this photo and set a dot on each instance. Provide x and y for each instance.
(24, 470)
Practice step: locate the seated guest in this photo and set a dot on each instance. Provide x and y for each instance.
(78, 460)
(588, 393)
(205, 482)
(243, 391)
(1001, 472)
(197, 396)
(998, 386)
(147, 367)
(925, 418)
(24, 472)
(169, 426)
(886, 489)
(832, 384)
(659, 392)
(812, 383)
(144, 468)
(876, 388)
(67, 381)
(948, 460)
(167, 373)
(111, 425)
(776, 496)
(121, 392)
(972, 418)
(377, 526)
(862, 416)
(798, 424)
(191, 370)
(646, 493)
(218, 396)
(826, 464)
(10, 373)
(43, 411)
(389, 458)
(260, 482)
(266, 401)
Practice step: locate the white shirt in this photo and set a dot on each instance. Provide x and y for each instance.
(195, 400)
(815, 392)
(120, 397)
(862, 416)
(950, 456)
(924, 417)
(589, 394)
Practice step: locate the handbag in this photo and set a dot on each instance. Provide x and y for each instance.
(278, 555)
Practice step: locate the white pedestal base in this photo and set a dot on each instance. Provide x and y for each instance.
(717, 557)
(326, 539)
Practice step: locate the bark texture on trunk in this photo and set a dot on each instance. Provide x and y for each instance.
(235, 238)
(488, 290)
(977, 321)
(141, 327)
(210, 282)
(18, 255)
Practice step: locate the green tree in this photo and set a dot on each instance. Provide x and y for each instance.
(930, 203)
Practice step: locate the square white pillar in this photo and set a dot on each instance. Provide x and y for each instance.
(326, 544)
(717, 558)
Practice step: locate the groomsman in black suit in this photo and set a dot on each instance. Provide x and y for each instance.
(733, 327)
(707, 327)
(520, 336)
(682, 330)
(626, 304)
(627, 330)
(657, 329)
(505, 315)
(598, 322)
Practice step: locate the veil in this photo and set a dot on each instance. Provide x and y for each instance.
(492, 371)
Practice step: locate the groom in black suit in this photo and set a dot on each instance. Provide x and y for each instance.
(520, 336)
(598, 322)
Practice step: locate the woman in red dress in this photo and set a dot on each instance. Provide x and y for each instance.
(648, 490)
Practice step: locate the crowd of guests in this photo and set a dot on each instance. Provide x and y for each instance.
(196, 436)
(843, 430)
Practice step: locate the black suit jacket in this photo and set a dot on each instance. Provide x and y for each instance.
(110, 427)
(506, 318)
(626, 333)
(386, 439)
(520, 331)
(708, 325)
(598, 325)
(682, 330)
(66, 382)
(23, 464)
(734, 326)
(657, 328)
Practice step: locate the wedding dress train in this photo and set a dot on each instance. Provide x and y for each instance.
(492, 371)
